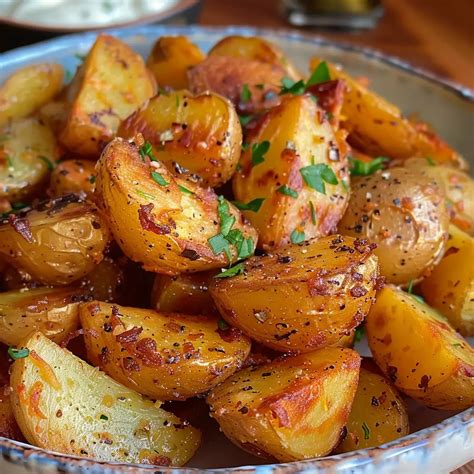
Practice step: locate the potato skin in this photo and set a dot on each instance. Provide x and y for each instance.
(202, 133)
(303, 297)
(290, 409)
(63, 404)
(8, 426)
(419, 352)
(378, 408)
(450, 286)
(164, 228)
(403, 211)
(72, 176)
(163, 356)
(28, 89)
(57, 243)
(94, 117)
(299, 136)
(170, 59)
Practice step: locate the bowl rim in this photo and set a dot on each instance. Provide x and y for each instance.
(464, 421)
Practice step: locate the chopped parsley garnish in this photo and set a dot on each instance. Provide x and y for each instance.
(430, 161)
(245, 146)
(147, 150)
(91, 179)
(145, 195)
(245, 119)
(104, 417)
(366, 430)
(258, 152)
(245, 95)
(289, 86)
(359, 334)
(315, 176)
(361, 168)
(456, 344)
(184, 190)
(222, 325)
(410, 287)
(287, 191)
(158, 178)
(16, 354)
(232, 271)
(219, 244)
(418, 298)
(49, 164)
(344, 185)
(297, 237)
(253, 205)
(313, 212)
(9, 161)
(320, 74)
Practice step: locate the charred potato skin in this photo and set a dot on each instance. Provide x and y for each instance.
(72, 176)
(184, 221)
(295, 408)
(170, 59)
(201, 133)
(420, 352)
(94, 117)
(163, 356)
(56, 243)
(450, 286)
(28, 89)
(301, 298)
(85, 397)
(404, 213)
(299, 136)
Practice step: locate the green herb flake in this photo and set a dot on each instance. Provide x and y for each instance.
(359, 334)
(260, 86)
(218, 244)
(297, 237)
(315, 176)
(245, 94)
(457, 344)
(366, 430)
(287, 191)
(227, 219)
(245, 248)
(91, 179)
(361, 168)
(158, 178)
(320, 74)
(80, 57)
(289, 86)
(9, 162)
(222, 325)
(245, 146)
(344, 185)
(313, 212)
(258, 152)
(184, 190)
(16, 354)
(68, 75)
(147, 150)
(232, 271)
(253, 205)
(49, 164)
(410, 287)
(145, 195)
(245, 119)
(104, 417)
(430, 161)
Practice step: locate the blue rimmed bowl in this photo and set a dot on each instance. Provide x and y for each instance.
(442, 441)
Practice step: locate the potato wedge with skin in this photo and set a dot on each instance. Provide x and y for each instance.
(377, 127)
(450, 286)
(28, 151)
(420, 352)
(63, 404)
(53, 311)
(8, 425)
(94, 116)
(254, 48)
(300, 298)
(58, 242)
(403, 211)
(163, 356)
(170, 59)
(72, 176)
(378, 413)
(28, 89)
(165, 227)
(202, 133)
(183, 293)
(291, 409)
(301, 143)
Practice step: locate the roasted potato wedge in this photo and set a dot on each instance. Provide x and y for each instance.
(302, 176)
(170, 59)
(378, 413)
(164, 226)
(164, 356)
(201, 134)
(8, 425)
(94, 116)
(28, 151)
(53, 311)
(403, 211)
(57, 243)
(450, 286)
(72, 176)
(257, 49)
(27, 89)
(420, 352)
(300, 298)
(62, 403)
(292, 409)
(377, 127)
(183, 293)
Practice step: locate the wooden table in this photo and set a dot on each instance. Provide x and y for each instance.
(435, 34)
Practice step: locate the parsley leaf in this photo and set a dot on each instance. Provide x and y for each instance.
(253, 205)
(218, 244)
(258, 152)
(245, 248)
(289, 86)
(227, 219)
(361, 168)
(245, 119)
(366, 430)
(158, 178)
(16, 354)
(418, 298)
(287, 191)
(359, 334)
(297, 237)
(232, 271)
(320, 74)
(430, 161)
(104, 417)
(184, 190)
(245, 95)
(315, 176)
(49, 164)
(91, 179)
(147, 150)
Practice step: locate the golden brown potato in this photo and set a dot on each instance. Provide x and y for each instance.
(57, 243)
(302, 176)
(105, 282)
(112, 83)
(292, 409)
(378, 413)
(28, 151)
(254, 48)
(170, 59)
(8, 425)
(168, 227)
(403, 211)
(202, 133)
(72, 176)
(183, 293)
(53, 311)
(28, 89)
(420, 352)
(377, 127)
(304, 297)
(450, 286)
(54, 115)
(16, 279)
(164, 356)
(63, 404)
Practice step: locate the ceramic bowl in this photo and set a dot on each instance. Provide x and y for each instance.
(441, 441)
